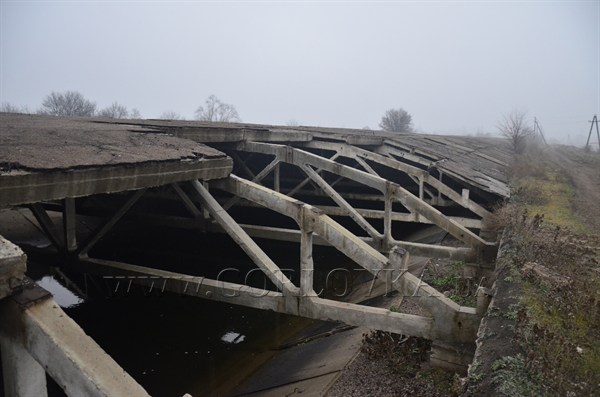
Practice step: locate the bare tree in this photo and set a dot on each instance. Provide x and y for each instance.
(215, 110)
(292, 123)
(115, 111)
(514, 127)
(396, 120)
(68, 103)
(8, 107)
(135, 114)
(171, 115)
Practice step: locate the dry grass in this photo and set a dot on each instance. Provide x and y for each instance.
(558, 324)
(544, 190)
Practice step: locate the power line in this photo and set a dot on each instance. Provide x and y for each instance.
(594, 121)
(537, 130)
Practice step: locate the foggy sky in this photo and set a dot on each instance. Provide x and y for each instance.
(457, 67)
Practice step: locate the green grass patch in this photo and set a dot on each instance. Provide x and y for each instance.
(513, 379)
(450, 279)
(554, 201)
(545, 191)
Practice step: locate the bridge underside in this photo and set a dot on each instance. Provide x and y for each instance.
(352, 190)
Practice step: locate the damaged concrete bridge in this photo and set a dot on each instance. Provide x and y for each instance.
(358, 191)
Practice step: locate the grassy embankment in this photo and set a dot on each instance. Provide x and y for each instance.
(555, 263)
(555, 259)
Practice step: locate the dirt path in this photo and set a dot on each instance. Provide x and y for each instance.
(583, 170)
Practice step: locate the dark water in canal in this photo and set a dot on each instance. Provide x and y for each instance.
(173, 344)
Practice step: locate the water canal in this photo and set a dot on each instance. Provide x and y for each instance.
(174, 344)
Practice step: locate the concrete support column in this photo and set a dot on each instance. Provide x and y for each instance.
(306, 264)
(205, 211)
(484, 297)
(399, 258)
(23, 375)
(387, 216)
(452, 357)
(277, 178)
(465, 195)
(397, 266)
(13, 264)
(70, 225)
(440, 179)
(306, 254)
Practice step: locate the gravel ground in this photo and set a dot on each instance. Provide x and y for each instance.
(367, 375)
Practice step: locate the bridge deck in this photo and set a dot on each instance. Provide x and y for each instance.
(476, 161)
(47, 158)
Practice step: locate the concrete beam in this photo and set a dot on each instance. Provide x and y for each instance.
(22, 375)
(309, 305)
(421, 175)
(299, 186)
(366, 316)
(458, 231)
(105, 228)
(437, 251)
(402, 151)
(33, 187)
(416, 249)
(58, 344)
(376, 263)
(398, 216)
(371, 197)
(47, 225)
(344, 206)
(258, 256)
(256, 178)
(187, 202)
(217, 134)
(69, 224)
(184, 284)
(260, 195)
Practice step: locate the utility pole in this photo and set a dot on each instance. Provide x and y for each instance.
(594, 122)
(537, 130)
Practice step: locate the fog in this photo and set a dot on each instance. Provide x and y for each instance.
(456, 67)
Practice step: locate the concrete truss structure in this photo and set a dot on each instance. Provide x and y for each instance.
(375, 183)
(448, 321)
(416, 209)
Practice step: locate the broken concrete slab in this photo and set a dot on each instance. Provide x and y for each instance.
(13, 264)
(49, 158)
